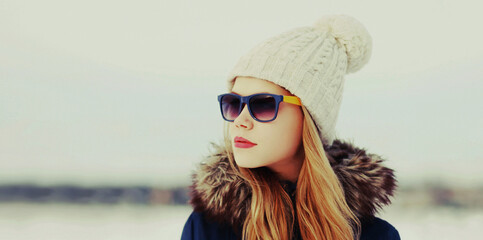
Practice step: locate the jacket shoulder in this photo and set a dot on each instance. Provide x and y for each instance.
(378, 229)
(198, 227)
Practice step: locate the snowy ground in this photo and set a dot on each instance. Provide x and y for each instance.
(25, 221)
(75, 222)
(435, 222)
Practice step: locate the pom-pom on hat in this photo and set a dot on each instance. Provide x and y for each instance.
(311, 63)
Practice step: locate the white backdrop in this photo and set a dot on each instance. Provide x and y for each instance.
(124, 92)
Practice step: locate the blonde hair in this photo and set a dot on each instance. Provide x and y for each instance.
(321, 209)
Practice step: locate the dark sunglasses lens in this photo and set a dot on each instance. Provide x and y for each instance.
(263, 107)
(230, 107)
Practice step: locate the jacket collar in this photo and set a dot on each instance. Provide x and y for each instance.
(225, 197)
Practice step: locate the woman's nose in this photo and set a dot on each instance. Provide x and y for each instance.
(244, 120)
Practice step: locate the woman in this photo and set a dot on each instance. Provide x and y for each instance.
(281, 173)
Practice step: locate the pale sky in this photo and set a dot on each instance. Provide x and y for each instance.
(124, 92)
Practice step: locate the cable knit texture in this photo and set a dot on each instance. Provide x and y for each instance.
(311, 63)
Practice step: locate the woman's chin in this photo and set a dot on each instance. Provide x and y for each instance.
(247, 163)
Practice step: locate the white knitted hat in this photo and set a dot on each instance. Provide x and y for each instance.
(311, 62)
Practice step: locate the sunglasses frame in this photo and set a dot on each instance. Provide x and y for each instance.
(246, 100)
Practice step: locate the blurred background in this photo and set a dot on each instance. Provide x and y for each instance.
(106, 107)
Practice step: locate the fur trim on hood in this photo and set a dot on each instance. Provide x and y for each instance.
(226, 198)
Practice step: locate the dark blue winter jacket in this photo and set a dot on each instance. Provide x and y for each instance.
(221, 200)
(199, 228)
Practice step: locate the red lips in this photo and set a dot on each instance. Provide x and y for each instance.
(243, 143)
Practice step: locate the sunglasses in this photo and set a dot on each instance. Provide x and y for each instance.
(263, 107)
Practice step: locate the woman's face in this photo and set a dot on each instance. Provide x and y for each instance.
(279, 142)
